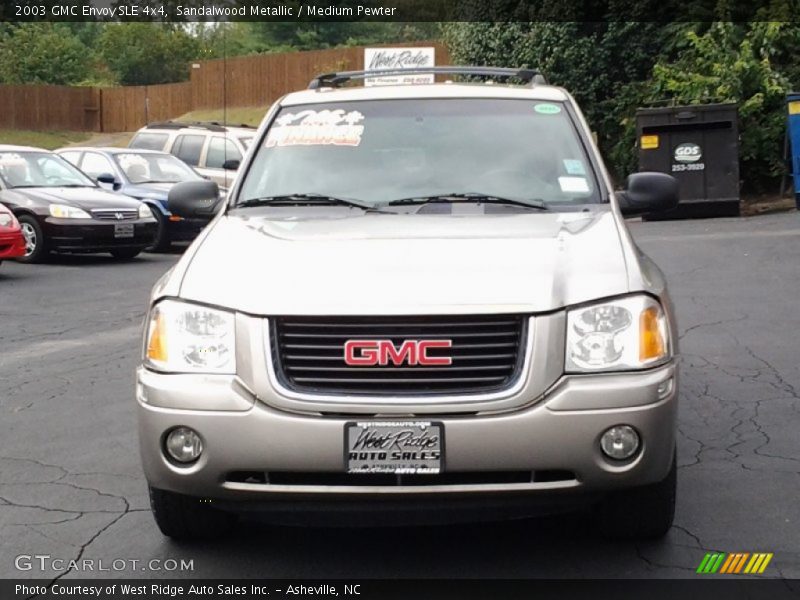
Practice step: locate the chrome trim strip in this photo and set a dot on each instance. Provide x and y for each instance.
(384, 490)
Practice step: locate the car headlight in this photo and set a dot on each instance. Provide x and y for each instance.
(618, 335)
(62, 211)
(7, 220)
(144, 211)
(189, 338)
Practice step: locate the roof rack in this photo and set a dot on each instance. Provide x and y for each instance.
(209, 125)
(185, 124)
(527, 76)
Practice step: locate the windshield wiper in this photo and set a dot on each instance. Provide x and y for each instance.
(469, 197)
(309, 199)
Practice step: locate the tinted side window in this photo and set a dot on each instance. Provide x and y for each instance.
(149, 141)
(220, 150)
(96, 164)
(188, 148)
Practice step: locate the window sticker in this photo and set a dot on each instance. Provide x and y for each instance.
(126, 161)
(574, 166)
(576, 185)
(317, 128)
(545, 108)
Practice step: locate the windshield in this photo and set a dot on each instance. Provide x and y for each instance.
(154, 168)
(383, 151)
(39, 169)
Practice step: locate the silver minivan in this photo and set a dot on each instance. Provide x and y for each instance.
(215, 151)
(417, 303)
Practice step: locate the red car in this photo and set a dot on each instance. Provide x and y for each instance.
(12, 243)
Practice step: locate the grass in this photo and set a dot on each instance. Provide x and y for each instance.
(49, 140)
(247, 115)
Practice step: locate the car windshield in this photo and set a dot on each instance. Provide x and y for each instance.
(384, 151)
(141, 167)
(39, 169)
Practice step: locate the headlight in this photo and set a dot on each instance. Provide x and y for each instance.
(628, 333)
(62, 211)
(144, 211)
(189, 338)
(7, 220)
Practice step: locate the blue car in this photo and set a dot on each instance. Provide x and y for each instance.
(143, 174)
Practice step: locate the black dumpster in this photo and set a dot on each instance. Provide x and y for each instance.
(699, 145)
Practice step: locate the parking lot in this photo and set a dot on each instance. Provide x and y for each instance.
(72, 487)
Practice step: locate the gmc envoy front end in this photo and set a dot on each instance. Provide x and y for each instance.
(416, 302)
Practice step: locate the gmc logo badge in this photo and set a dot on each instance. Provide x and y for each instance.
(368, 353)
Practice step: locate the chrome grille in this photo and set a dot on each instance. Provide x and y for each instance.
(115, 214)
(487, 353)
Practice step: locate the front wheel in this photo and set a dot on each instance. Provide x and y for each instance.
(645, 512)
(186, 518)
(163, 241)
(35, 244)
(125, 253)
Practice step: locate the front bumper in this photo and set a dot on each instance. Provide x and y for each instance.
(548, 436)
(91, 235)
(185, 230)
(12, 244)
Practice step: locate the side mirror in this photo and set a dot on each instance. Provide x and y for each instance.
(231, 165)
(108, 179)
(194, 199)
(648, 192)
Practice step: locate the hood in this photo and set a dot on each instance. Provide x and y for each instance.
(86, 198)
(377, 264)
(150, 191)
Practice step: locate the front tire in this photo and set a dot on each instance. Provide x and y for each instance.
(645, 512)
(186, 518)
(35, 244)
(162, 242)
(125, 253)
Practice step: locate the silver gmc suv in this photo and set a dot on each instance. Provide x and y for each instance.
(418, 302)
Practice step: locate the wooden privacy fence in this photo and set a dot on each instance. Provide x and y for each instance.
(240, 81)
(43, 107)
(128, 108)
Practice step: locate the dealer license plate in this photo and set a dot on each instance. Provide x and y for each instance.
(123, 230)
(400, 447)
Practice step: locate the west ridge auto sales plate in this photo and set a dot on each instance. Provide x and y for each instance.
(398, 447)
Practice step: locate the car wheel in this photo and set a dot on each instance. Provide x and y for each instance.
(35, 244)
(125, 253)
(186, 518)
(645, 512)
(162, 242)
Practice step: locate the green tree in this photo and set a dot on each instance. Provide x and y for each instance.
(600, 63)
(42, 53)
(148, 53)
(737, 63)
(287, 36)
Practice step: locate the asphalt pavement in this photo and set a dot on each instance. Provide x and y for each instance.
(71, 486)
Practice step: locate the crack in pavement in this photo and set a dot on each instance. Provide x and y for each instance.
(711, 324)
(74, 514)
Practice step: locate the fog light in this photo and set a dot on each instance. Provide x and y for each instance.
(620, 442)
(184, 445)
(664, 389)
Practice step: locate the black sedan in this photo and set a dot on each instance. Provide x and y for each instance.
(61, 210)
